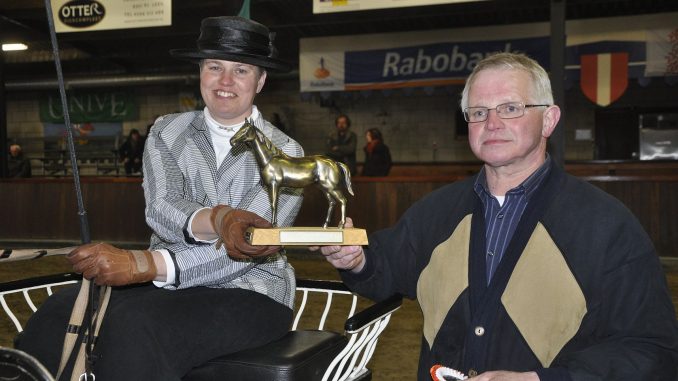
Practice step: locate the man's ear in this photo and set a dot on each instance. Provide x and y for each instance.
(550, 120)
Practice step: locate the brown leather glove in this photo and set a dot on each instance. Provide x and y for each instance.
(230, 225)
(109, 266)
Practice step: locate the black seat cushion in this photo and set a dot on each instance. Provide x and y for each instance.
(299, 356)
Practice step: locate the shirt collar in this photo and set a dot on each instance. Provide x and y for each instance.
(222, 130)
(528, 186)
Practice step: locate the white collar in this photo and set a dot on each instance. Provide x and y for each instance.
(220, 129)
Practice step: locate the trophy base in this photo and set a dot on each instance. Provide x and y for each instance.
(306, 236)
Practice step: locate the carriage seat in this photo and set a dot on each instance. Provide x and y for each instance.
(299, 355)
(302, 354)
(309, 354)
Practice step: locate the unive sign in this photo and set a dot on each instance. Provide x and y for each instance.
(91, 107)
(81, 13)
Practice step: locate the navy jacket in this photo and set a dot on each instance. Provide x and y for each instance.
(580, 293)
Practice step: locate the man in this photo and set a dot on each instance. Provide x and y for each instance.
(212, 293)
(18, 165)
(341, 143)
(522, 272)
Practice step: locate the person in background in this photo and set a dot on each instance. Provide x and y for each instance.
(148, 127)
(377, 154)
(341, 143)
(200, 290)
(522, 272)
(18, 164)
(131, 152)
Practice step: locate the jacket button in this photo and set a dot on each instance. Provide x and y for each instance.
(479, 331)
(472, 373)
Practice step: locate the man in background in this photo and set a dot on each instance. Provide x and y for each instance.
(341, 143)
(18, 165)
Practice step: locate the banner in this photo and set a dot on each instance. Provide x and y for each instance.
(662, 52)
(328, 6)
(115, 106)
(444, 57)
(432, 64)
(93, 15)
(604, 77)
(83, 131)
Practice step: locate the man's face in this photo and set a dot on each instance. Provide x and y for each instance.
(342, 124)
(228, 89)
(14, 150)
(520, 142)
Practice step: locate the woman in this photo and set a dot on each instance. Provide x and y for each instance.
(132, 152)
(377, 154)
(206, 299)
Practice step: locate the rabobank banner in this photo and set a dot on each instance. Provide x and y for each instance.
(430, 65)
(446, 56)
(433, 64)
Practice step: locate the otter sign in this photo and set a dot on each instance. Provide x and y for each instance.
(92, 15)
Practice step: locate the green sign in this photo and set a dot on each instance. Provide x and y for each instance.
(113, 106)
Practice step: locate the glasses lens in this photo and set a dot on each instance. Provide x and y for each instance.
(475, 114)
(510, 110)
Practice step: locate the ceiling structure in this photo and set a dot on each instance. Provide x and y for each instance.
(144, 51)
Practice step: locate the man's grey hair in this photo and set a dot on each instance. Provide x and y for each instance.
(541, 84)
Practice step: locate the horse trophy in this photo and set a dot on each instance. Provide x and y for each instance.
(278, 169)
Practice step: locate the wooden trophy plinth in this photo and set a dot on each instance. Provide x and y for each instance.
(306, 236)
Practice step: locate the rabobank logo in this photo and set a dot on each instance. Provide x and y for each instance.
(321, 72)
(81, 13)
(322, 75)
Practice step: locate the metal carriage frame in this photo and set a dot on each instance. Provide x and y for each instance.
(310, 353)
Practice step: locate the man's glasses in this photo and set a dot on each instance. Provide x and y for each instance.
(504, 111)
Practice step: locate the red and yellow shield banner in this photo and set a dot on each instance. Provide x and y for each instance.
(604, 76)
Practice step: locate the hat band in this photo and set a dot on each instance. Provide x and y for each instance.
(236, 42)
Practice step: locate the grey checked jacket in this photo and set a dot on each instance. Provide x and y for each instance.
(181, 176)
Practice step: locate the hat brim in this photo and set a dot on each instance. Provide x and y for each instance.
(265, 62)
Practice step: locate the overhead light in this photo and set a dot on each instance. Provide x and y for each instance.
(10, 47)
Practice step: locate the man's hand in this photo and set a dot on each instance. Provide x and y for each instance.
(343, 257)
(107, 265)
(230, 225)
(502, 375)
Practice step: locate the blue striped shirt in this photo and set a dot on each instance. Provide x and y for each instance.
(501, 221)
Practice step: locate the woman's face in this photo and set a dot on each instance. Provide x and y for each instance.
(368, 136)
(228, 89)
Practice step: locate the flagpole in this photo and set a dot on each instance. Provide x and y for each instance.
(557, 69)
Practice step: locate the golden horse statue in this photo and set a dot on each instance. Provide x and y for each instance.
(278, 169)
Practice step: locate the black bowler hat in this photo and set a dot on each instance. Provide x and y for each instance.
(237, 39)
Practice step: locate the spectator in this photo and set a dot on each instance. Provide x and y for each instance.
(132, 152)
(18, 164)
(377, 154)
(341, 143)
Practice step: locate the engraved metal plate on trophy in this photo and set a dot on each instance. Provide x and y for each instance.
(307, 236)
(282, 170)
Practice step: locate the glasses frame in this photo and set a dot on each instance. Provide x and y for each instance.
(522, 105)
